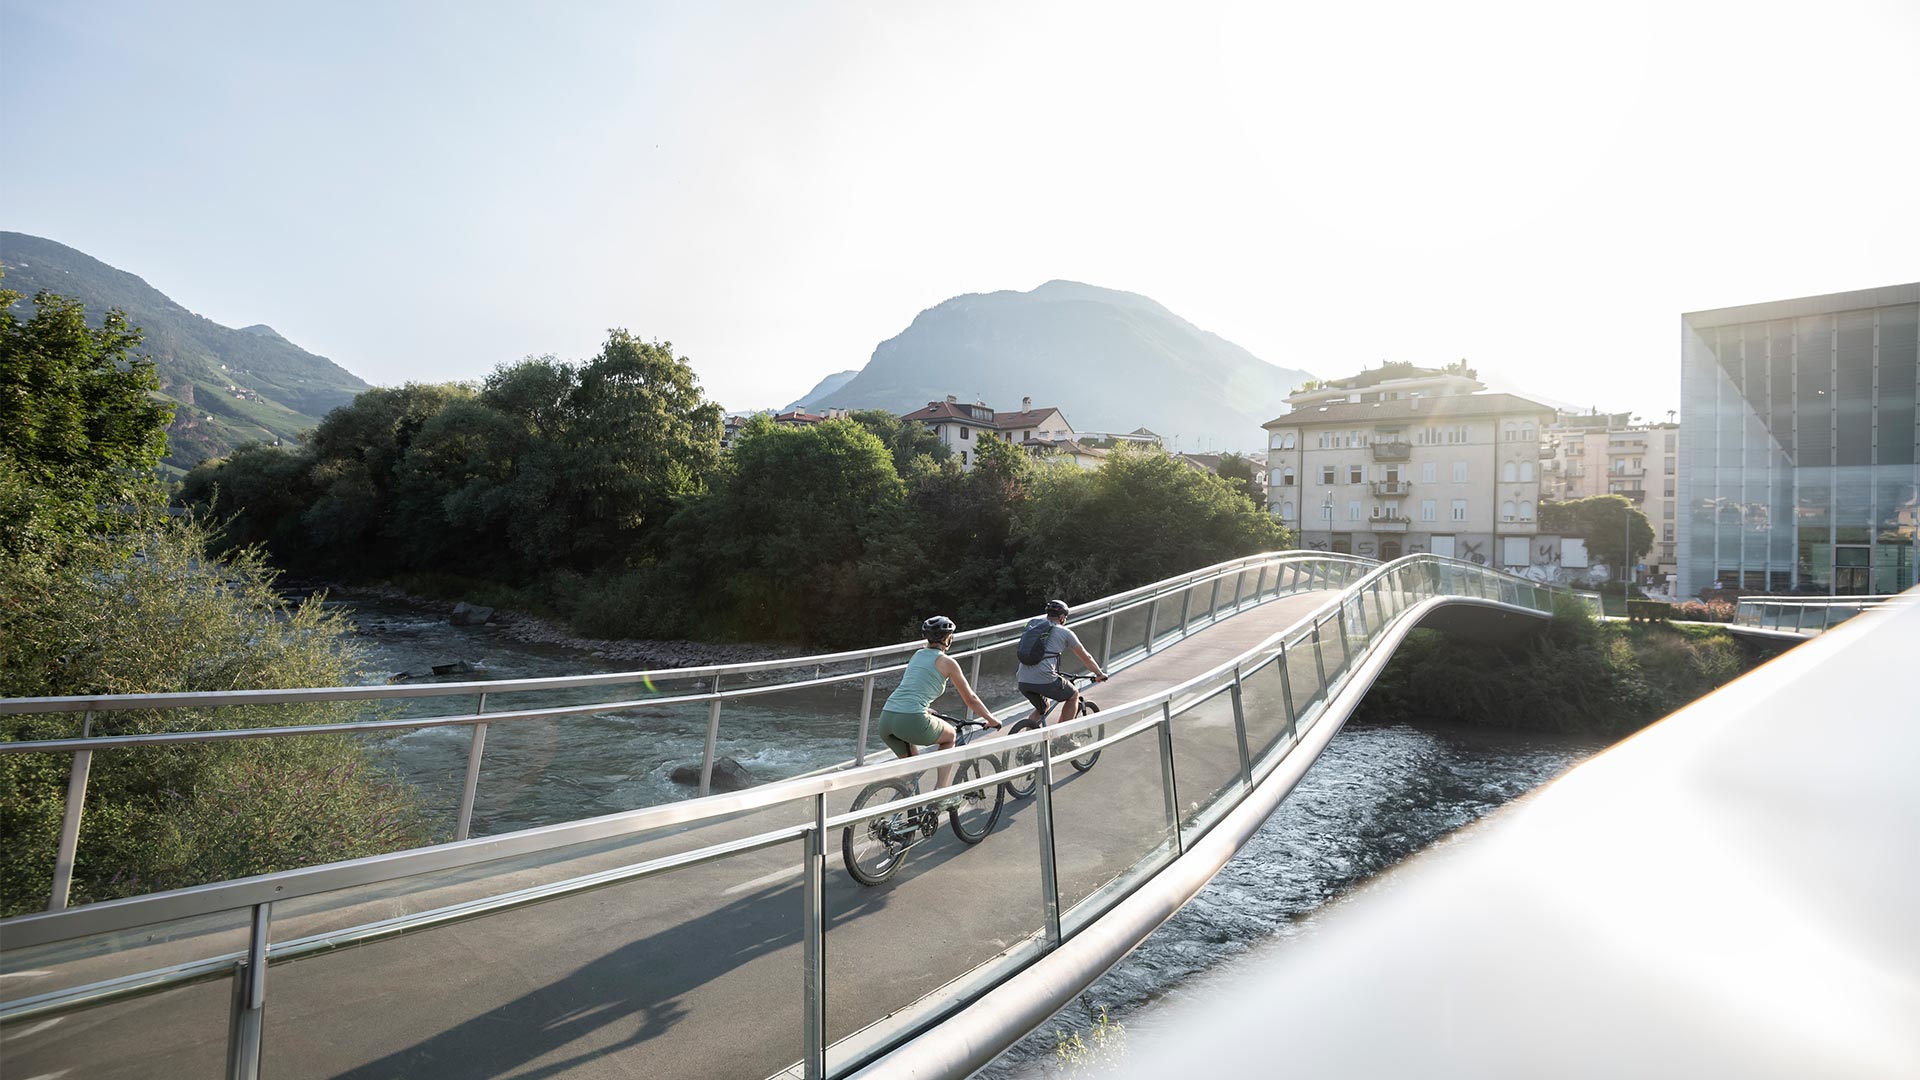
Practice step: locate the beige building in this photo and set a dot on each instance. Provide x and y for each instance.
(1607, 454)
(1400, 460)
(959, 426)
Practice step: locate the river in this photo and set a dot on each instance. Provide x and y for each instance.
(1377, 795)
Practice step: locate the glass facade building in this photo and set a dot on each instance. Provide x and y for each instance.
(1798, 443)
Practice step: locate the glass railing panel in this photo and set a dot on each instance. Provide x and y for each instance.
(176, 1032)
(1327, 639)
(1251, 589)
(1206, 760)
(1113, 825)
(1263, 701)
(606, 982)
(945, 923)
(1166, 618)
(1227, 597)
(64, 965)
(784, 733)
(998, 670)
(1199, 599)
(1129, 633)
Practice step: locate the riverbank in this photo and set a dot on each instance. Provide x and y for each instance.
(531, 629)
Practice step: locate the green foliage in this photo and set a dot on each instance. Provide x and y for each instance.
(1239, 471)
(148, 611)
(1140, 517)
(79, 427)
(1102, 1049)
(1580, 677)
(908, 442)
(1602, 520)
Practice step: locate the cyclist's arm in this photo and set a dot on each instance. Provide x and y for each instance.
(950, 667)
(1087, 659)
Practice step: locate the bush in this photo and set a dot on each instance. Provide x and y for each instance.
(150, 611)
(1705, 611)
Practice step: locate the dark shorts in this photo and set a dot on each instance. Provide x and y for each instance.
(1040, 693)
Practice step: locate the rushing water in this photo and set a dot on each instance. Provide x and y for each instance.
(1377, 794)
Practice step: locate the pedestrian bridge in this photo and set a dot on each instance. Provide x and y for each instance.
(721, 935)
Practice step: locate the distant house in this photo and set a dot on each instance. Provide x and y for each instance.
(1211, 463)
(1140, 435)
(958, 425)
(1087, 457)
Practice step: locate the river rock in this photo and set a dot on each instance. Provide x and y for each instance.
(728, 775)
(465, 614)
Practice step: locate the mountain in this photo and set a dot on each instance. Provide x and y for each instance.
(229, 386)
(824, 388)
(1109, 360)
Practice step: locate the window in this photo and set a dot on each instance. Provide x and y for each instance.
(1356, 474)
(1323, 440)
(1027, 434)
(1442, 546)
(1666, 533)
(1526, 510)
(1427, 472)
(1286, 476)
(1286, 441)
(1668, 492)
(1429, 511)
(1669, 467)
(1509, 473)
(1514, 550)
(1527, 433)
(1459, 472)
(1459, 509)
(964, 431)
(1507, 510)
(1510, 432)
(1286, 510)
(1353, 510)
(1326, 474)
(1526, 472)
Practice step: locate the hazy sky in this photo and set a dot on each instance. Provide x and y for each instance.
(423, 191)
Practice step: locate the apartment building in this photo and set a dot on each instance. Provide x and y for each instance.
(1401, 459)
(959, 426)
(1607, 454)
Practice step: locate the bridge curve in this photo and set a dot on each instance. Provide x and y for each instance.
(720, 935)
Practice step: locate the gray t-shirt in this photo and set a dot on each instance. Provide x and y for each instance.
(1061, 641)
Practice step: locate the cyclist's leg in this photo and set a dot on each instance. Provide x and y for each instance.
(945, 774)
(1038, 702)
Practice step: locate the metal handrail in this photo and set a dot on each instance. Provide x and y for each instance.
(1402, 582)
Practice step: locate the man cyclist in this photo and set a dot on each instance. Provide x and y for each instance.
(1042, 681)
(905, 724)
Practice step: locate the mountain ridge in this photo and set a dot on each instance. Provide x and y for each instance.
(228, 385)
(1149, 366)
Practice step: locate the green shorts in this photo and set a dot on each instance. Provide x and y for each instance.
(905, 730)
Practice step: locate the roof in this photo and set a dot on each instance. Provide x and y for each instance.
(935, 411)
(1067, 445)
(798, 416)
(1447, 405)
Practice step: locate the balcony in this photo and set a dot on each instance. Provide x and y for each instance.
(1627, 471)
(1513, 526)
(1388, 523)
(1638, 495)
(1546, 452)
(1392, 451)
(1391, 489)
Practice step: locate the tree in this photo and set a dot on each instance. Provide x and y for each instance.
(79, 423)
(1140, 517)
(907, 441)
(1604, 522)
(1239, 471)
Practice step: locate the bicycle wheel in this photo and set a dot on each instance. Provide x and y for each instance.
(979, 807)
(873, 848)
(1021, 787)
(1093, 734)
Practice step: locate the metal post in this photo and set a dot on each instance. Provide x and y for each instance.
(1049, 882)
(713, 739)
(1379, 609)
(1167, 783)
(249, 1002)
(1186, 608)
(866, 716)
(973, 673)
(1213, 598)
(1799, 614)
(1106, 649)
(1240, 730)
(63, 857)
(474, 750)
(1320, 663)
(1286, 694)
(813, 935)
(1153, 621)
(1346, 650)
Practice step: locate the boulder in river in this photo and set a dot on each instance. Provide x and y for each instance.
(465, 614)
(728, 775)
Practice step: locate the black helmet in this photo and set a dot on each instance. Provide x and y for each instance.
(938, 626)
(1057, 607)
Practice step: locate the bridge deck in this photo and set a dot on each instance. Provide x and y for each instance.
(696, 972)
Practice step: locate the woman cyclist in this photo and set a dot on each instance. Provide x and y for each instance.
(904, 722)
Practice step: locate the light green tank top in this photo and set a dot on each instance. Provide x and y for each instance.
(919, 684)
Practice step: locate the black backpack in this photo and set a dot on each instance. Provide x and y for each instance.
(1033, 641)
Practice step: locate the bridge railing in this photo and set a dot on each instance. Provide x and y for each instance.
(808, 701)
(1801, 614)
(648, 905)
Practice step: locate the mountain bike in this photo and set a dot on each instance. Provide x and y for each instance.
(875, 848)
(1021, 787)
